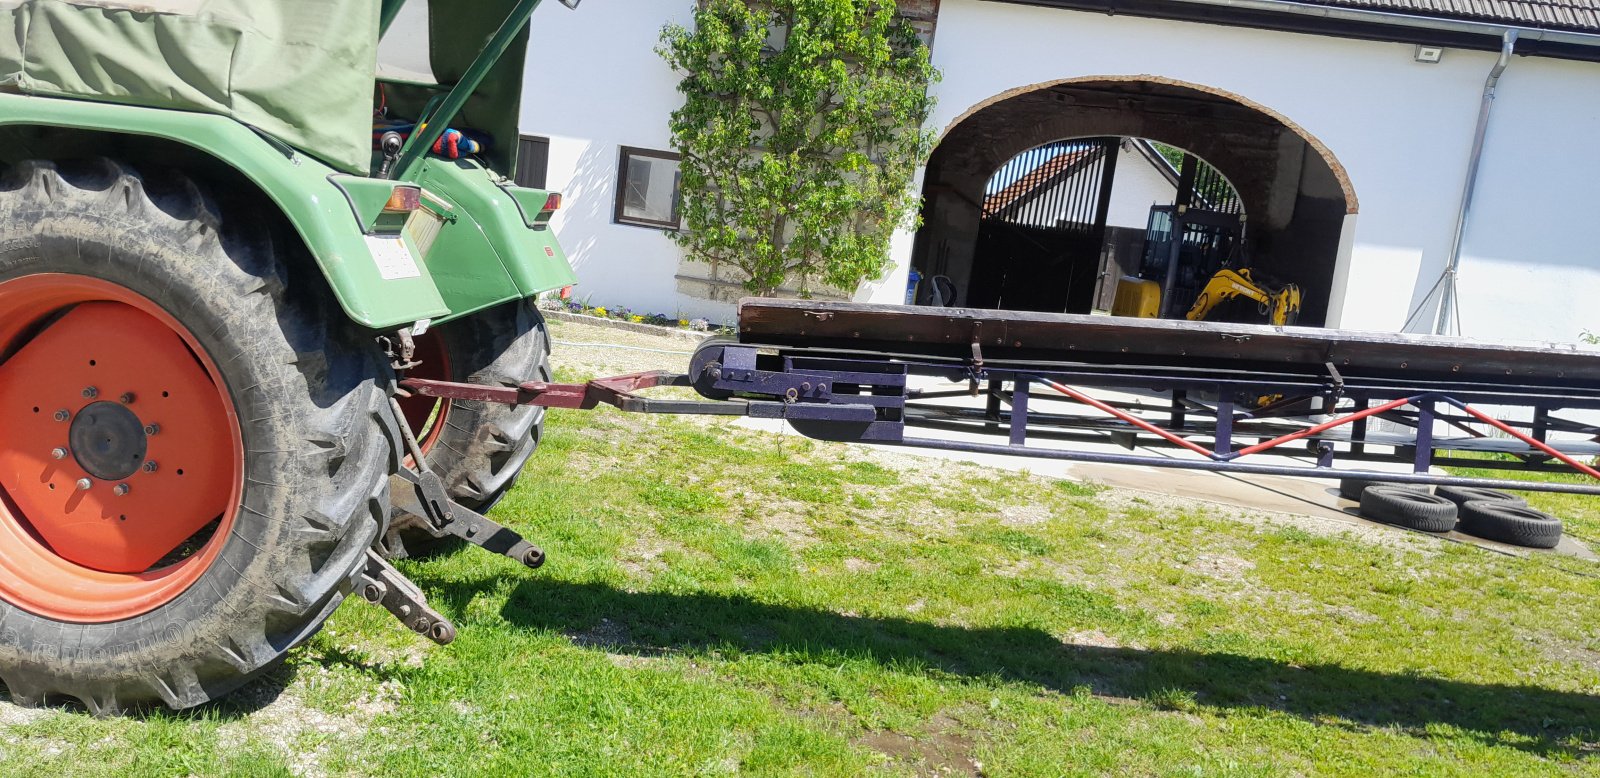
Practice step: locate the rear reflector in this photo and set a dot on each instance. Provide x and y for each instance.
(404, 199)
(552, 203)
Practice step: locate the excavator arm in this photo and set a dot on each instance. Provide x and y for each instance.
(1282, 305)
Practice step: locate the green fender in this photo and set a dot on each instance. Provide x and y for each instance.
(300, 185)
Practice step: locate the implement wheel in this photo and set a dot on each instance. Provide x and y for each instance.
(194, 451)
(478, 449)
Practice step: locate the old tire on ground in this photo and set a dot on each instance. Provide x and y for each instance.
(1352, 488)
(1518, 525)
(478, 449)
(171, 386)
(1405, 507)
(1461, 495)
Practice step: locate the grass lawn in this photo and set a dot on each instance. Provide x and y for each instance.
(723, 601)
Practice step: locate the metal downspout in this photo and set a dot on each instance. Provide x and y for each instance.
(1447, 300)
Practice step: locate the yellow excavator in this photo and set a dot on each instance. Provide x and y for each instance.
(1281, 305)
(1141, 298)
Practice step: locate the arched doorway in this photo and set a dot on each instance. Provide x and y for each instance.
(1294, 194)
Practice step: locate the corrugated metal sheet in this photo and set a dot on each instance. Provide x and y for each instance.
(1574, 15)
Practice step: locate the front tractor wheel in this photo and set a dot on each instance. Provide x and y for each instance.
(194, 448)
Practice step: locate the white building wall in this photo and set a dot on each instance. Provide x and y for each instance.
(1531, 264)
(595, 84)
(1401, 129)
(1138, 186)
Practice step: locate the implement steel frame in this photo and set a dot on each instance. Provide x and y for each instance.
(1228, 392)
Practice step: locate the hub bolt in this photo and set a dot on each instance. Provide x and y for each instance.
(84, 484)
(63, 415)
(128, 398)
(151, 466)
(120, 490)
(89, 393)
(59, 453)
(152, 429)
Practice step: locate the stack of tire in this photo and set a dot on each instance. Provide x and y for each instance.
(1483, 513)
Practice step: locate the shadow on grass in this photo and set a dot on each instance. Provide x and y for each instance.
(1534, 719)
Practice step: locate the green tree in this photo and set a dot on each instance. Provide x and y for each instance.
(801, 129)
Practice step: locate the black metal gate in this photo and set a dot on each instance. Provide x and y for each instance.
(1043, 223)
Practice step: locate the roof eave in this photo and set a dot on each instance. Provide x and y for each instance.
(1345, 22)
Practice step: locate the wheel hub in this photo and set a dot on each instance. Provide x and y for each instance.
(108, 441)
(114, 485)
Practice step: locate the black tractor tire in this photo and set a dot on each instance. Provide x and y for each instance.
(312, 403)
(1408, 507)
(1352, 488)
(482, 447)
(1517, 525)
(1461, 495)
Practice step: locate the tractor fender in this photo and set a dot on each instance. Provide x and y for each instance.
(373, 291)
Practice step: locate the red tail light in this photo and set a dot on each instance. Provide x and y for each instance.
(404, 199)
(552, 203)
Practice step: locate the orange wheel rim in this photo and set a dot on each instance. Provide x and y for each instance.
(121, 458)
(426, 415)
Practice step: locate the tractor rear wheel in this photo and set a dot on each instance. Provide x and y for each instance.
(478, 449)
(195, 445)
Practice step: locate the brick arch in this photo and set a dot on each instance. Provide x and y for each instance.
(1077, 128)
(1298, 197)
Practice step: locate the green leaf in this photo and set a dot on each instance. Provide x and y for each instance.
(801, 129)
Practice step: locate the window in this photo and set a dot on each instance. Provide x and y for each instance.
(647, 188)
(533, 162)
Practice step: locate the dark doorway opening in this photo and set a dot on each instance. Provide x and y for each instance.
(1024, 204)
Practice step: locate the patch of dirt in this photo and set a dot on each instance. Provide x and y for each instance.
(941, 749)
(1122, 500)
(641, 558)
(285, 721)
(1024, 515)
(616, 642)
(780, 519)
(860, 565)
(1093, 638)
(409, 653)
(13, 715)
(1567, 652)
(1349, 613)
(606, 634)
(1221, 567)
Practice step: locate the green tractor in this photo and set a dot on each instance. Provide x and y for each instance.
(222, 233)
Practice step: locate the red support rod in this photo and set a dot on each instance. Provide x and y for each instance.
(1506, 428)
(1129, 418)
(1323, 427)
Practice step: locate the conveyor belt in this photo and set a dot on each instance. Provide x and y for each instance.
(1360, 358)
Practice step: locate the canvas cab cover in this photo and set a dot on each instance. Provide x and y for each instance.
(299, 70)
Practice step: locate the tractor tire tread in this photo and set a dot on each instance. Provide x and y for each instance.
(302, 375)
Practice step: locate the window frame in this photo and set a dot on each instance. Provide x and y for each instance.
(618, 216)
(522, 174)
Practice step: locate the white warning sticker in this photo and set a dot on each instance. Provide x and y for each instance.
(393, 258)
